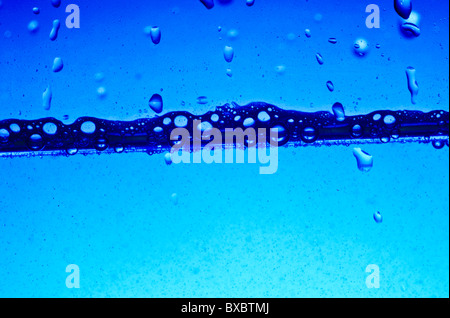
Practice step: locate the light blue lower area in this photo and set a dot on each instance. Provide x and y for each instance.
(306, 231)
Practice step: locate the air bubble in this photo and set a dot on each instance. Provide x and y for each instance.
(56, 3)
(35, 142)
(363, 159)
(410, 27)
(248, 122)
(209, 4)
(202, 100)
(156, 103)
(168, 158)
(50, 128)
(389, 120)
(308, 33)
(33, 26)
(250, 3)
(214, 117)
(157, 129)
(438, 144)
(167, 121)
(101, 144)
(71, 151)
(88, 127)
(101, 92)
(36, 10)
(309, 134)
(376, 117)
(263, 116)
(180, 121)
(332, 40)
(14, 128)
(119, 149)
(357, 131)
(281, 135)
(4, 135)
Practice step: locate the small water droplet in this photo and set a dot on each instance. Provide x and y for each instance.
(35, 142)
(71, 151)
(330, 86)
(378, 217)
(250, 3)
(389, 120)
(281, 135)
(357, 131)
(229, 72)
(376, 117)
(309, 134)
(228, 53)
(363, 159)
(14, 128)
(248, 122)
(332, 40)
(319, 58)
(101, 144)
(57, 64)
(232, 34)
(54, 32)
(202, 100)
(174, 198)
(280, 69)
(36, 10)
(56, 3)
(156, 103)
(157, 129)
(209, 4)
(338, 111)
(101, 92)
(155, 34)
(4, 135)
(214, 117)
(308, 33)
(119, 148)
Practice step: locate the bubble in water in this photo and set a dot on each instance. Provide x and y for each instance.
(360, 47)
(158, 129)
(338, 111)
(101, 92)
(389, 120)
(250, 3)
(281, 134)
(33, 26)
(50, 128)
(209, 4)
(204, 126)
(318, 17)
(56, 3)
(308, 33)
(332, 40)
(378, 217)
(14, 127)
(35, 142)
(403, 8)
(99, 77)
(36, 10)
(330, 86)
(4, 135)
(215, 117)
(57, 64)
(156, 103)
(228, 53)
(319, 58)
(88, 127)
(438, 144)
(309, 134)
(248, 122)
(155, 34)
(180, 121)
(363, 159)
(101, 144)
(168, 158)
(263, 116)
(54, 32)
(410, 27)
(413, 87)
(47, 98)
(232, 34)
(357, 131)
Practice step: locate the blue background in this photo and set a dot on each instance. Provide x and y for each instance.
(306, 231)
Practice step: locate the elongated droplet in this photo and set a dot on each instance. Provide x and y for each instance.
(338, 111)
(250, 3)
(319, 58)
(410, 27)
(330, 86)
(228, 53)
(403, 8)
(363, 159)
(55, 29)
(156, 103)
(209, 4)
(57, 64)
(413, 87)
(155, 33)
(332, 40)
(47, 98)
(56, 3)
(378, 217)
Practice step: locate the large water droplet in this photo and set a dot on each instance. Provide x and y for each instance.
(403, 8)
(50, 128)
(378, 217)
(36, 10)
(363, 159)
(54, 32)
(156, 103)
(35, 142)
(228, 53)
(338, 111)
(263, 116)
(47, 98)
(413, 87)
(410, 27)
(250, 3)
(360, 47)
(155, 34)
(57, 64)
(209, 4)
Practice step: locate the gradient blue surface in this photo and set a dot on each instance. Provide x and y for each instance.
(306, 231)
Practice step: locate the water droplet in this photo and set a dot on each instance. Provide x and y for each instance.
(330, 86)
(377, 217)
(413, 87)
(248, 122)
(99, 77)
(168, 158)
(57, 65)
(403, 8)
(202, 100)
(50, 128)
(36, 10)
(157, 129)
(209, 4)
(338, 111)
(228, 53)
(363, 159)
(376, 117)
(35, 142)
(385, 139)
(204, 126)
(319, 58)
(438, 144)
(4, 135)
(389, 120)
(54, 32)
(88, 127)
(167, 121)
(263, 116)
(332, 40)
(214, 117)
(378, 46)
(281, 135)
(47, 98)
(309, 134)
(71, 151)
(410, 27)
(280, 69)
(229, 72)
(308, 33)
(180, 121)
(155, 34)
(101, 92)
(250, 3)
(56, 3)
(119, 148)
(101, 144)
(357, 131)
(156, 103)
(14, 128)
(33, 26)
(360, 47)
